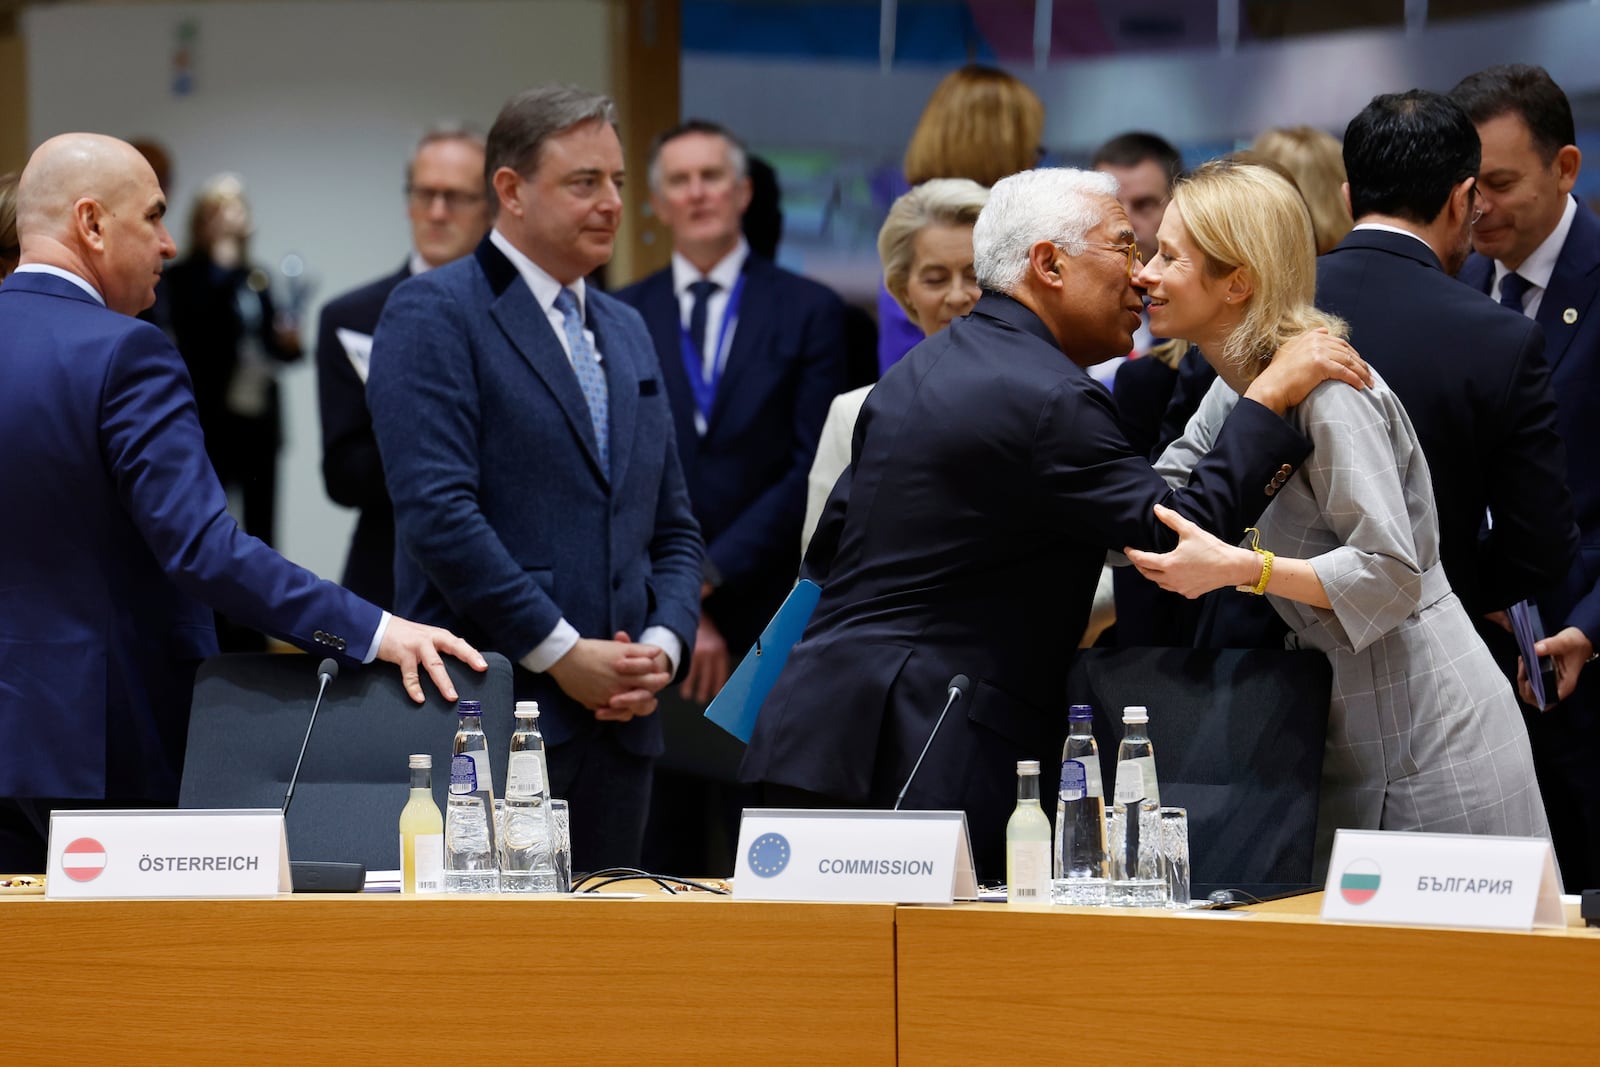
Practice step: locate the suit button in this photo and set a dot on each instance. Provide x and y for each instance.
(1285, 470)
(339, 643)
(1271, 489)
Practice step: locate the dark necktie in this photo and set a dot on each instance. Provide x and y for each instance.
(701, 290)
(1513, 287)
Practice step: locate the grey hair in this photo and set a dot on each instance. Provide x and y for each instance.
(738, 158)
(444, 131)
(1050, 204)
(937, 201)
(531, 118)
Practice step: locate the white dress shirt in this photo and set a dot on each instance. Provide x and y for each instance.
(1540, 264)
(726, 273)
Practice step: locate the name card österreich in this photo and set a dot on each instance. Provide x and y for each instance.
(1413, 879)
(153, 854)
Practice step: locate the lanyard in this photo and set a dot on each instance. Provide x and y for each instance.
(702, 381)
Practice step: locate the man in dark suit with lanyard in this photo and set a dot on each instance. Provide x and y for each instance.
(527, 445)
(989, 477)
(449, 215)
(1538, 252)
(752, 356)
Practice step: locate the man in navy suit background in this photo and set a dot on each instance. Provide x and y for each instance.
(449, 215)
(752, 356)
(1538, 252)
(527, 444)
(120, 542)
(989, 477)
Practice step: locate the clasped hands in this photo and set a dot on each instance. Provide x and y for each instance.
(617, 680)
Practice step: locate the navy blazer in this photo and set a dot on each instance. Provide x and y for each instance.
(118, 539)
(1572, 350)
(989, 478)
(352, 470)
(747, 474)
(504, 522)
(1473, 379)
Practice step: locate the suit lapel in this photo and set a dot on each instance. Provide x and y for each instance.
(662, 317)
(756, 315)
(622, 380)
(1573, 285)
(526, 328)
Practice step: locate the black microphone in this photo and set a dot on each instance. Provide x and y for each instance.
(327, 671)
(320, 877)
(958, 686)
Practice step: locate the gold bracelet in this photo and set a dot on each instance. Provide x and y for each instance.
(1266, 565)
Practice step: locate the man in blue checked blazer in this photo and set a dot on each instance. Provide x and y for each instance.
(528, 448)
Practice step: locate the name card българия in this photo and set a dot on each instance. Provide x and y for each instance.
(1416, 879)
(132, 854)
(899, 857)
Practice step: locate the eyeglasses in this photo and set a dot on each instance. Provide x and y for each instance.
(1477, 206)
(1129, 250)
(454, 199)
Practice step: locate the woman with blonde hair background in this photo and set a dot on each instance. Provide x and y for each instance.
(1314, 160)
(925, 247)
(1423, 730)
(980, 124)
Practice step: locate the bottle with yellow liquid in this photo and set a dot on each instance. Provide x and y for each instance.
(421, 833)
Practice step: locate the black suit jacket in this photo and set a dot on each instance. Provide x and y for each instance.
(1473, 378)
(989, 478)
(747, 474)
(351, 468)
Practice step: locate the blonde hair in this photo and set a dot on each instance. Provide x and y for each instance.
(939, 202)
(1242, 215)
(1314, 161)
(10, 246)
(214, 195)
(980, 123)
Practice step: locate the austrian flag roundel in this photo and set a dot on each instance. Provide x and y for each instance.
(83, 860)
(1359, 883)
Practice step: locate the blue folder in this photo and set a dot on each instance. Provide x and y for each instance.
(736, 707)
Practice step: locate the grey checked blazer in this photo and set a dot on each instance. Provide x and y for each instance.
(1423, 730)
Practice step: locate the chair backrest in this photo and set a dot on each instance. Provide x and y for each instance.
(1239, 736)
(249, 717)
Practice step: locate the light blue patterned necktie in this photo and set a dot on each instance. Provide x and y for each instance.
(591, 378)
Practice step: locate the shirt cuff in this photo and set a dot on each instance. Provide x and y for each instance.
(377, 638)
(666, 641)
(552, 648)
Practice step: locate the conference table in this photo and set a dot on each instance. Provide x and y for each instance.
(699, 979)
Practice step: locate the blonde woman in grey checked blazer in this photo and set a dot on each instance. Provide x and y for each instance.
(1423, 731)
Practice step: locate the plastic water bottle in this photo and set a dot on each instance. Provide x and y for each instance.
(1080, 852)
(421, 833)
(527, 862)
(1136, 875)
(1028, 842)
(1136, 760)
(469, 852)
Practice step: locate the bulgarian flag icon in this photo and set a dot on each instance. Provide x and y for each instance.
(1359, 883)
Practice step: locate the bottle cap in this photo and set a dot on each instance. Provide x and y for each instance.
(1027, 766)
(421, 761)
(527, 709)
(1136, 713)
(469, 707)
(1080, 713)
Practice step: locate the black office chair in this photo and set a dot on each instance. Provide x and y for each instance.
(249, 717)
(1239, 737)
